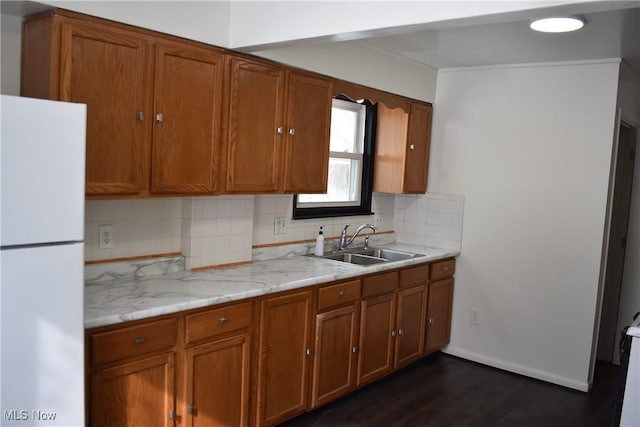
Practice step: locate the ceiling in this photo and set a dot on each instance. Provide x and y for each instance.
(607, 34)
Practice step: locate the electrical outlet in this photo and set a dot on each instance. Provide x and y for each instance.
(280, 225)
(474, 318)
(105, 235)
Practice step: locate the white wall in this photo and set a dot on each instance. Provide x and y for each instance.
(530, 148)
(10, 47)
(362, 65)
(205, 21)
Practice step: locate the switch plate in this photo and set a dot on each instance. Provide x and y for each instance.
(105, 236)
(279, 225)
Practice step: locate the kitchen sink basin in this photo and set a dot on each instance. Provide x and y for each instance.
(370, 256)
(353, 258)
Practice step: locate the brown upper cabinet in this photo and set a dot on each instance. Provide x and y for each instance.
(153, 103)
(402, 148)
(277, 129)
(168, 116)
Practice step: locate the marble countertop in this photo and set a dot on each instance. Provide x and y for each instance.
(120, 299)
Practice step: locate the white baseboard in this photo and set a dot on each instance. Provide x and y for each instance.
(518, 369)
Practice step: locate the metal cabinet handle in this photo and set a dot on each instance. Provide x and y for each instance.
(280, 130)
(430, 320)
(140, 116)
(342, 294)
(400, 331)
(191, 409)
(308, 352)
(159, 117)
(354, 349)
(292, 131)
(394, 333)
(445, 268)
(223, 320)
(138, 340)
(172, 415)
(412, 147)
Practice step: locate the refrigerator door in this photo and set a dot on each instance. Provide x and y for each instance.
(42, 333)
(42, 156)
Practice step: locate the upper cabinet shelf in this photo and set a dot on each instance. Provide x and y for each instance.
(168, 116)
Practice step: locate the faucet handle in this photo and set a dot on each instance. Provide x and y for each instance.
(344, 230)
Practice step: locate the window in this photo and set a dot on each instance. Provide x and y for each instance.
(350, 164)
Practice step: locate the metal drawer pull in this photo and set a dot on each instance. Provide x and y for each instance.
(445, 268)
(354, 349)
(280, 130)
(223, 320)
(292, 131)
(308, 352)
(159, 117)
(412, 147)
(138, 340)
(140, 116)
(342, 294)
(400, 331)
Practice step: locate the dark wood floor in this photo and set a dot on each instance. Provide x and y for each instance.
(444, 391)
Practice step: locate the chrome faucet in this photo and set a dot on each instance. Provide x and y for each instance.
(344, 242)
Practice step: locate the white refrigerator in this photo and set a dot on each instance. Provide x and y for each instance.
(42, 158)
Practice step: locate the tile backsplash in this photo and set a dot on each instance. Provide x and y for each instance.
(430, 219)
(224, 229)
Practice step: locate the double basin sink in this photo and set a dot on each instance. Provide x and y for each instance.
(370, 256)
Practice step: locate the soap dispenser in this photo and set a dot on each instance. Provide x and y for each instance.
(319, 243)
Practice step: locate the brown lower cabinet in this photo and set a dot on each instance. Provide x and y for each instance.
(265, 360)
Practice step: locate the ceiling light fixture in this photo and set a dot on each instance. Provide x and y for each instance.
(557, 24)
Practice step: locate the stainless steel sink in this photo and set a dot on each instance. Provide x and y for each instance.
(354, 258)
(370, 256)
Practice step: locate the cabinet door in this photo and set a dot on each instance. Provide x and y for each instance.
(139, 393)
(376, 339)
(418, 145)
(218, 383)
(334, 366)
(411, 319)
(108, 69)
(186, 131)
(283, 365)
(439, 314)
(255, 127)
(391, 138)
(307, 134)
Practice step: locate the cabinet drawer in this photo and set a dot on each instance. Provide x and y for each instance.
(133, 341)
(442, 269)
(334, 295)
(414, 276)
(218, 321)
(379, 284)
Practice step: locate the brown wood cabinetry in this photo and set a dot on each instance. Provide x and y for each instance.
(439, 313)
(277, 129)
(336, 342)
(141, 136)
(440, 304)
(284, 357)
(217, 369)
(402, 148)
(392, 328)
(256, 362)
(132, 376)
